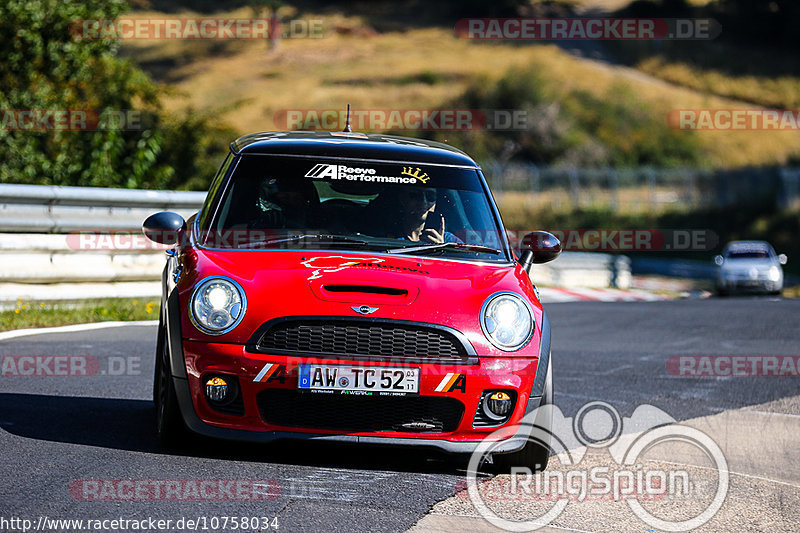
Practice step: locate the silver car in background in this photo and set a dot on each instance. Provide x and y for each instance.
(749, 266)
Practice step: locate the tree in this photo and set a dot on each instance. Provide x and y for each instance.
(46, 64)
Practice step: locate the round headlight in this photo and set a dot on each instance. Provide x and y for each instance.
(507, 321)
(217, 305)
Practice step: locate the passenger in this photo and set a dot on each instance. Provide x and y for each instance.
(286, 203)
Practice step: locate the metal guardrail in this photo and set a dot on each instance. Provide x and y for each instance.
(55, 209)
(585, 269)
(687, 269)
(674, 268)
(42, 258)
(642, 188)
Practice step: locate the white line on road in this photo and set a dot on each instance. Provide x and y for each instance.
(609, 372)
(770, 413)
(75, 327)
(549, 526)
(585, 397)
(750, 476)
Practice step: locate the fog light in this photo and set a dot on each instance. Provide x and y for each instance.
(217, 389)
(498, 405)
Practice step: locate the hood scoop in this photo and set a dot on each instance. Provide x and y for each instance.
(365, 289)
(364, 293)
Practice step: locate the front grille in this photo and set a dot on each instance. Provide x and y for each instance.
(292, 408)
(365, 338)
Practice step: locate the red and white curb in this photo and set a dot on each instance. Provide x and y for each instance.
(585, 294)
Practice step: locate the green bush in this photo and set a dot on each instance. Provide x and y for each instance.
(46, 65)
(571, 128)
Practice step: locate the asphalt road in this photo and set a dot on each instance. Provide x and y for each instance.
(57, 431)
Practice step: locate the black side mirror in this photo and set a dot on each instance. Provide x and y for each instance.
(539, 247)
(164, 227)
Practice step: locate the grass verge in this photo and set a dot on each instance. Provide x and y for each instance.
(27, 314)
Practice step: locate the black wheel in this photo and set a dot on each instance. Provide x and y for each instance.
(170, 427)
(536, 453)
(156, 366)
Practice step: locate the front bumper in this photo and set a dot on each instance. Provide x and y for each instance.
(202, 359)
(745, 284)
(515, 439)
(191, 360)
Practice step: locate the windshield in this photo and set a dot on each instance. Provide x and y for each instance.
(748, 254)
(303, 203)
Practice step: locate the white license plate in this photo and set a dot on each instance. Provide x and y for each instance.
(340, 378)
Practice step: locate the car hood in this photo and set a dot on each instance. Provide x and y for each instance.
(398, 287)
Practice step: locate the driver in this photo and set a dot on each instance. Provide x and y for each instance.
(412, 215)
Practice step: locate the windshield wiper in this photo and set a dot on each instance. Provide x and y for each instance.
(321, 237)
(441, 246)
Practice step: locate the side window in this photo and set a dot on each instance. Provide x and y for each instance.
(206, 212)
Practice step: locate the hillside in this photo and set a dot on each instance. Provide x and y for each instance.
(244, 84)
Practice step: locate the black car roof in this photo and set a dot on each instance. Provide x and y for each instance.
(352, 146)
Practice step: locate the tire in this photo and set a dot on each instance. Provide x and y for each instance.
(156, 367)
(170, 428)
(535, 454)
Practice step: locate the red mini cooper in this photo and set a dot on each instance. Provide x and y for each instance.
(351, 287)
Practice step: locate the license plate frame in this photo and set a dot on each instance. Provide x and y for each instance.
(358, 379)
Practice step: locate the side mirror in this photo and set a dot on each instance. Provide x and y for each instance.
(164, 227)
(539, 247)
(718, 260)
(782, 259)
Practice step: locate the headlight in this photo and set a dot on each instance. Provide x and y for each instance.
(217, 306)
(507, 321)
(774, 273)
